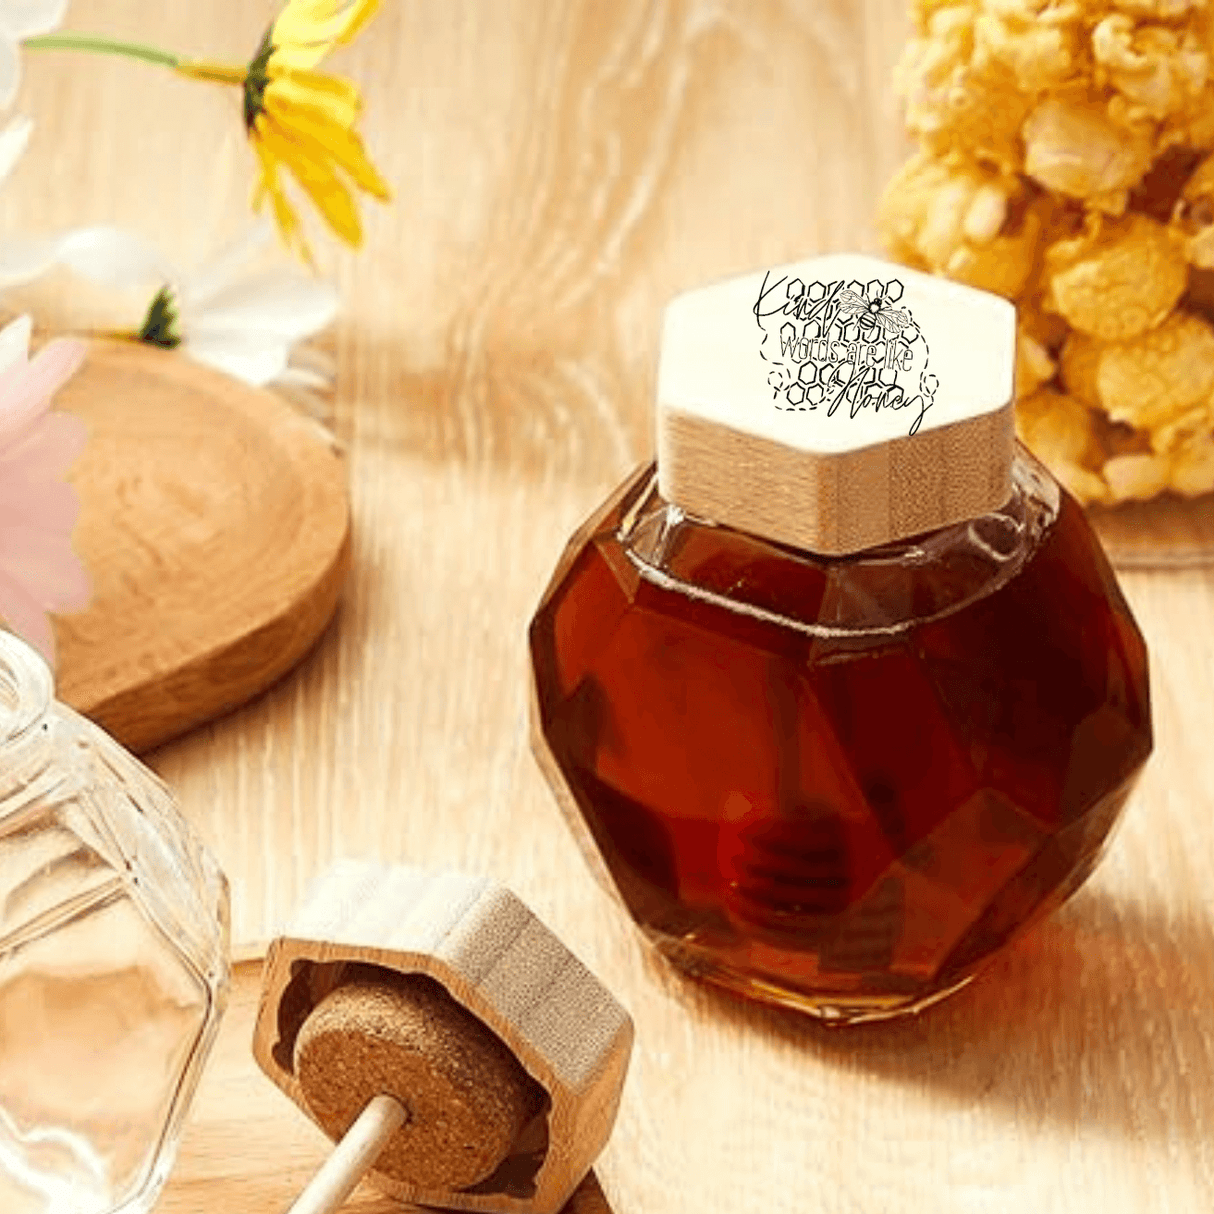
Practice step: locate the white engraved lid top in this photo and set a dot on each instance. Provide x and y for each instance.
(837, 403)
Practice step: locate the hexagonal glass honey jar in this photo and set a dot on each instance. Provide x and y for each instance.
(841, 695)
(113, 960)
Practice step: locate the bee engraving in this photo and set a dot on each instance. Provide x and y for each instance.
(871, 313)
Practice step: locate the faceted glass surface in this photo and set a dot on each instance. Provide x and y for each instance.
(113, 960)
(840, 783)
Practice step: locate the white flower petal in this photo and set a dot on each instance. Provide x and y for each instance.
(242, 356)
(280, 303)
(24, 259)
(304, 378)
(113, 257)
(28, 18)
(226, 265)
(10, 70)
(13, 141)
(108, 256)
(15, 342)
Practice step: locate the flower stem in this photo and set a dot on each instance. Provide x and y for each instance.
(99, 45)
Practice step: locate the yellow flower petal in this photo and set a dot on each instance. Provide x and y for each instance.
(302, 120)
(338, 97)
(284, 213)
(316, 177)
(307, 30)
(322, 139)
(360, 15)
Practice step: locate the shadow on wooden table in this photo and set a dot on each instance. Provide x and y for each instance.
(1099, 1018)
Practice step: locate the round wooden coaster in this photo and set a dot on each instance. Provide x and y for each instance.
(215, 526)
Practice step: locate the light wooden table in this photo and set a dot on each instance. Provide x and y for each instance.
(561, 168)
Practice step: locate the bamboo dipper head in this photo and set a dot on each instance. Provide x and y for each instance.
(465, 1096)
(466, 1059)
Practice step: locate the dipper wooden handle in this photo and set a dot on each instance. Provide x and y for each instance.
(353, 1158)
(414, 1086)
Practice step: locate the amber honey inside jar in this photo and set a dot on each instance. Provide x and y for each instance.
(840, 782)
(836, 783)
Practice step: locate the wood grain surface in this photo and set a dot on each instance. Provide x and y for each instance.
(561, 168)
(215, 526)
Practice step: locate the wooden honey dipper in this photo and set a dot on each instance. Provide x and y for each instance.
(464, 1058)
(421, 1089)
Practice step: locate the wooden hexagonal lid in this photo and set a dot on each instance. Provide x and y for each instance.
(837, 403)
(472, 941)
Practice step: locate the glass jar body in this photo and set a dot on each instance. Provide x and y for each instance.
(113, 960)
(840, 784)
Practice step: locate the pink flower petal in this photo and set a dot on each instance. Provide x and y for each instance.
(15, 342)
(47, 449)
(39, 570)
(26, 389)
(23, 615)
(45, 566)
(51, 507)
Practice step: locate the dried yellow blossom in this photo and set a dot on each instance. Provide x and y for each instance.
(1034, 366)
(1157, 70)
(961, 219)
(1047, 329)
(1080, 365)
(1136, 477)
(1117, 279)
(1039, 42)
(1060, 431)
(1182, 427)
(955, 102)
(1192, 127)
(1058, 427)
(1072, 146)
(1165, 10)
(1157, 194)
(1194, 216)
(922, 11)
(1192, 471)
(1150, 380)
(1040, 337)
(1061, 165)
(1199, 297)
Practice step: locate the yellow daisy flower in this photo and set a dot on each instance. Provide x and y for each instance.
(301, 120)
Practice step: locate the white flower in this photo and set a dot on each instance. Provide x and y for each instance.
(21, 19)
(225, 314)
(13, 141)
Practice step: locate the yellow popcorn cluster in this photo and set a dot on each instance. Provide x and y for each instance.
(1066, 161)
